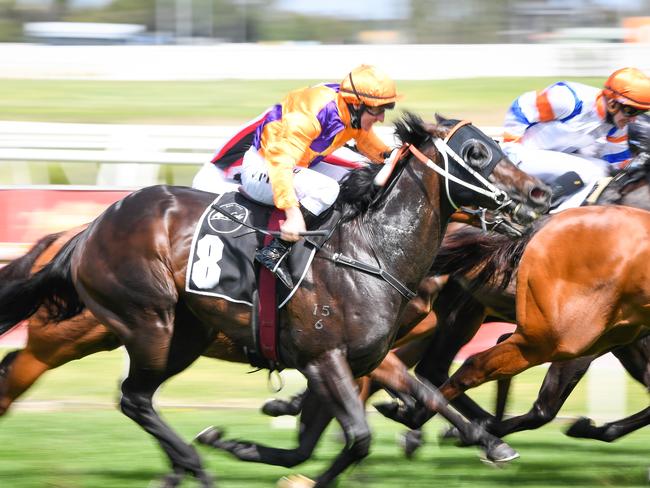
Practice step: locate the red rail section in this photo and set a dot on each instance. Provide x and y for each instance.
(28, 214)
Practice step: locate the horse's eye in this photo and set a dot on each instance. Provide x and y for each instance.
(476, 153)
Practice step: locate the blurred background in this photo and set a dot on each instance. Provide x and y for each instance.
(101, 97)
(331, 22)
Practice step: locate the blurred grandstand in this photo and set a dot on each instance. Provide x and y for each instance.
(332, 22)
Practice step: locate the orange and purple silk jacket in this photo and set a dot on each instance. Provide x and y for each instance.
(308, 125)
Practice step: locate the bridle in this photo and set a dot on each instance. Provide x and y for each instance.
(500, 197)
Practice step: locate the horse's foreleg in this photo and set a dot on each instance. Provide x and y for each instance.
(560, 380)
(501, 361)
(397, 377)
(313, 421)
(331, 378)
(611, 431)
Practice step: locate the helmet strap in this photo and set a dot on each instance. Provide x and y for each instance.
(355, 115)
(612, 107)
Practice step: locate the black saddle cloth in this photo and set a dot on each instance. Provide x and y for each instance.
(221, 261)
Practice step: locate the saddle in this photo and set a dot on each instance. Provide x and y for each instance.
(221, 264)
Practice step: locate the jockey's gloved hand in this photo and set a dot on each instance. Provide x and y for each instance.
(381, 178)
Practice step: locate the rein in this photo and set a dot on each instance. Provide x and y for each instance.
(272, 233)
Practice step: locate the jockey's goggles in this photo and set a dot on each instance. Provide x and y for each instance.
(630, 111)
(379, 111)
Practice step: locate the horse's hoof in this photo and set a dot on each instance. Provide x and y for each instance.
(410, 442)
(205, 480)
(500, 454)
(580, 428)
(295, 481)
(209, 436)
(387, 409)
(449, 435)
(275, 408)
(172, 480)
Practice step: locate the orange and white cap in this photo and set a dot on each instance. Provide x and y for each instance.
(629, 86)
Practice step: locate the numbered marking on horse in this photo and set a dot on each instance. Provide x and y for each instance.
(322, 310)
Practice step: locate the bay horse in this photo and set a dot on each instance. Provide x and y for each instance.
(569, 303)
(128, 268)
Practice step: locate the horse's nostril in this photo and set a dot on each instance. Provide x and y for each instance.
(540, 194)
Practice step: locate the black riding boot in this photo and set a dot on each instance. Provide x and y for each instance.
(273, 257)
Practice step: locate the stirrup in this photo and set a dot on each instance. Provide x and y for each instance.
(273, 257)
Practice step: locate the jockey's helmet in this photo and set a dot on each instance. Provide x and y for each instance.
(629, 86)
(369, 86)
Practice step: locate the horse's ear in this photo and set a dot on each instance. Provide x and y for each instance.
(440, 118)
(430, 128)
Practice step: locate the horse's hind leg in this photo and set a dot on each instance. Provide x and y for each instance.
(154, 359)
(635, 358)
(611, 431)
(560, 380)
(150, 337)
(506, 359)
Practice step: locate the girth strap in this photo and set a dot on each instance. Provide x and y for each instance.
(374, 270)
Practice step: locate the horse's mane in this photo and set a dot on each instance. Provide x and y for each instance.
(638, 172)
(358, 193)
(483, 258)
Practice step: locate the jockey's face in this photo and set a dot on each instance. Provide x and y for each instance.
(369, 118)
(622, 114)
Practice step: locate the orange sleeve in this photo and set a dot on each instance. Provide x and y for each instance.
(371, 146)
(285, 142)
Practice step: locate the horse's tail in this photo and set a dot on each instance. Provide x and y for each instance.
(22, 266)
(51, 287)
(481, 258)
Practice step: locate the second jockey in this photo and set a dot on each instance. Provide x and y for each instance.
(570, 128)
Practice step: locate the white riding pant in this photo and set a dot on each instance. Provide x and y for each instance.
(549, 165)
(212, 179)
(315, 191)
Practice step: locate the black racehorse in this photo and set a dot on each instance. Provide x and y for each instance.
(129, 269)
(459, 309)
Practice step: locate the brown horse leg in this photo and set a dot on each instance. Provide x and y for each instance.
(18, 371)
(560, 380)
(502, 360)
(503, 390)
(158, 347)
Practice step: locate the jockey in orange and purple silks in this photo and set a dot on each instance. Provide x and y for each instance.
(307, 126)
